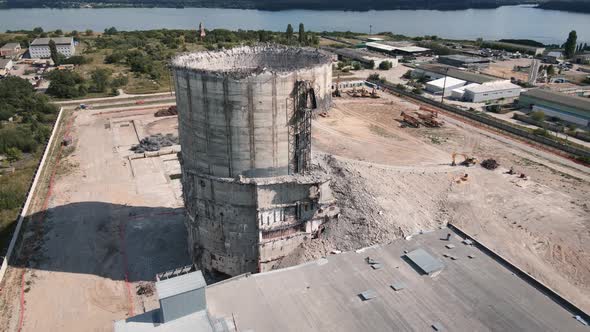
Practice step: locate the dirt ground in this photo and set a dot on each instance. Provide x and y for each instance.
(504, 69)
(393, 182)
(111, 225)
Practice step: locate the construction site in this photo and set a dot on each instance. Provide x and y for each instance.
(262, 166)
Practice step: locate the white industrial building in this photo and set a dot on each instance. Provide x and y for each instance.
(39, 48)
(491, 91)
(458, 93)
(444, 85)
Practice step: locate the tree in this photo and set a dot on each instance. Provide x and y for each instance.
(289, 32)
(538, 116)
(38, 30)
(356, 65)
(54, 55)
(88, 32)
(58, 32)
(13, 154)
(550, 70)
(110, 31)
(570, 44)
(385, 65)
(302, 39)
(100, 79)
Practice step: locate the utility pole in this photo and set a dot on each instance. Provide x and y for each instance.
(444, 86)
(370, 29)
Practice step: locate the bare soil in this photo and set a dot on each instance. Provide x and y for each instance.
(392, 182)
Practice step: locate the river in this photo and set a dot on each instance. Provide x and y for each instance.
(546, 26)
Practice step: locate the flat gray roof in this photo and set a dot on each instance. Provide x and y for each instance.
(465, 58)
(180, 284)
(57, 40)
(149, 322)
(469, 294)
(456, 73)
(559, 98)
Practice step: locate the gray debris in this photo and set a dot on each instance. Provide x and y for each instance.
(155, 143)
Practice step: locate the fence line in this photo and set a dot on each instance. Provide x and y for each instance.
(32, 188)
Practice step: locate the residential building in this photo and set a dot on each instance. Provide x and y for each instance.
(5, 66)
(571, 109)
(458, 60)
(491, 91)
(39, 48)
(434, 71)
(444, 85)
(10, 50)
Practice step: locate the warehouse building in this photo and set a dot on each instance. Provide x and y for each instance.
(444, 85)
(571, 109)
(10, 50)
(458, 93)
(368, 59)
(408, 50)
(39, 48)
(458, 60)
(434, 71)
(491, 91)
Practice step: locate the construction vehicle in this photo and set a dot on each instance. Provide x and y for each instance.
(410, 120)
(468, 161)
(374, 93)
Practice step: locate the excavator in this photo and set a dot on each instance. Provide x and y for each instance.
(468, 161)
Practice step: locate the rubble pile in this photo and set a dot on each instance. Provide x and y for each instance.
(490, 164)
(167, 111)
(155, 143)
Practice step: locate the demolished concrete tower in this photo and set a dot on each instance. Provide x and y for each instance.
(250, 191)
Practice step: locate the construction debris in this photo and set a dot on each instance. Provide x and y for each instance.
(167, 111)
(490, 164)
(155, 143)
(145, 288)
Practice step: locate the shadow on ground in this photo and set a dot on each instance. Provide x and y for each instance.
(106, 240)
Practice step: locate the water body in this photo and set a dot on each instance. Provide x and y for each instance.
(546, 26)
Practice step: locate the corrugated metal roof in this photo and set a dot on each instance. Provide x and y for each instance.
(493, 86)
(57, 40)
(425, 261)
(181, 284)
(450, 82)
(559, 98)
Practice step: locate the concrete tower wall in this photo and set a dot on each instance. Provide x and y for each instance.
(245, 131)
(239, 126)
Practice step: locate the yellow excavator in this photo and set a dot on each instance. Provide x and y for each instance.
(468, 161)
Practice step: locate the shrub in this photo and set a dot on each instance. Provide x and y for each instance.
(385, 65)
